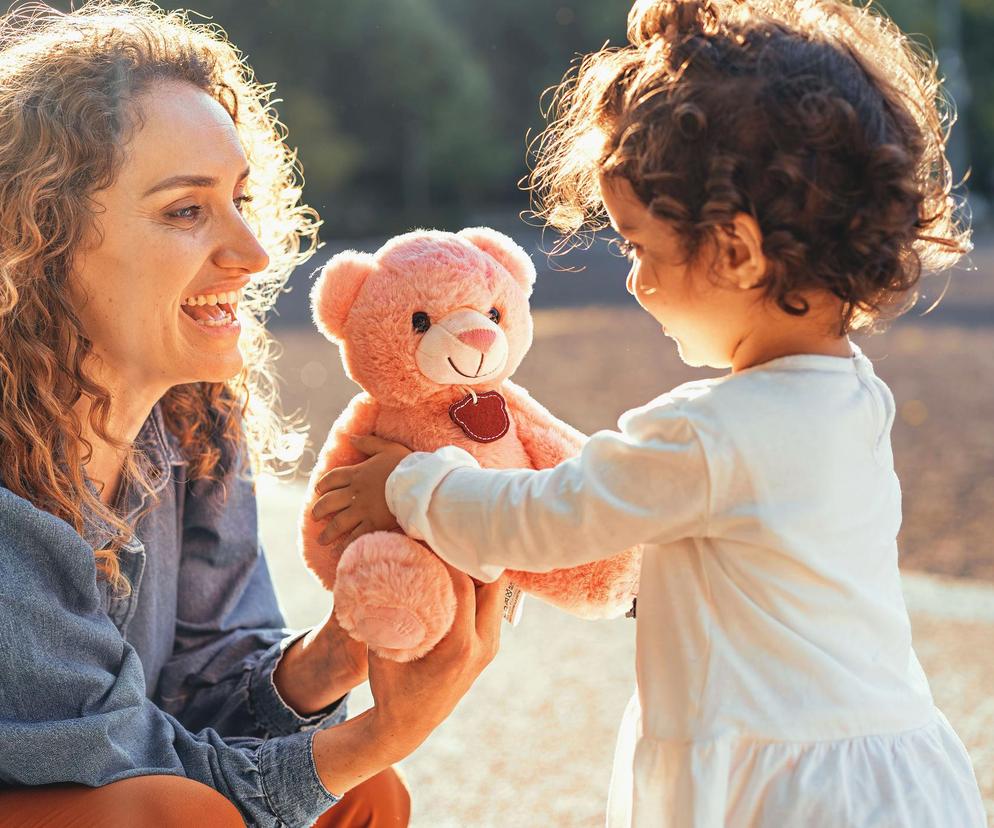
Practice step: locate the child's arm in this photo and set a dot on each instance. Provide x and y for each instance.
(622, 490)
(603, 588)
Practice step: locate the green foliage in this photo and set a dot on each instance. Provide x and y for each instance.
(407, 112)
(975, 102)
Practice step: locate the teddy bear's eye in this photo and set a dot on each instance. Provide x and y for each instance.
(494, 316)
(420, 322)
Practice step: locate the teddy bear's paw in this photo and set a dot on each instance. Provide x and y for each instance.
(394, 594)
(391, 628)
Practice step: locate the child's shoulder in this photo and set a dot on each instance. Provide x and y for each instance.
(801, 388)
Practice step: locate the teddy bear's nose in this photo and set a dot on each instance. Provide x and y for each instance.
(479, 338)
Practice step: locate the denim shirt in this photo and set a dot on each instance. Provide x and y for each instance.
(175, 678)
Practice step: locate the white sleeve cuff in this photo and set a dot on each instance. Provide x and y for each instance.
(411, 485)
(409, 492)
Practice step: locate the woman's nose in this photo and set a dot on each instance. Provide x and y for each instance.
(242, 250)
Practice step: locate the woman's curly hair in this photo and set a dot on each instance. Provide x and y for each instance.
(67, 82)
(817, 117)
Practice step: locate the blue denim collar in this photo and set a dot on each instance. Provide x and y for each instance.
(157, 451)
(154, 436)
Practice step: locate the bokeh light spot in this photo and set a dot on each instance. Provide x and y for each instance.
(313, 374)
(914, 412)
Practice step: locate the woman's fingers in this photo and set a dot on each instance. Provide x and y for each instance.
(478, 610)
(489, 610)
(340, 524)
(462, 585)
(334, 501)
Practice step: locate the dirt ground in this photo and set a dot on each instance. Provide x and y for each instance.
(531, 744)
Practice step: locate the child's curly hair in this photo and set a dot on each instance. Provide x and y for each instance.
(818, 118)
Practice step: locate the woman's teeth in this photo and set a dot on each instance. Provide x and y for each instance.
(213, 310)
(224, 319)
(229, 298)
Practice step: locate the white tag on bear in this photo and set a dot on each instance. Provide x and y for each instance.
(514, 600)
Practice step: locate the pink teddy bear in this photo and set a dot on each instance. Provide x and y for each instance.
(431, 327)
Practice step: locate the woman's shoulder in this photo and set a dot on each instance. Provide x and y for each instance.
(20, 515)
(42, 555)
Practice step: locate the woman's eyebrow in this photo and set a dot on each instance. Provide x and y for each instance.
(175, 181)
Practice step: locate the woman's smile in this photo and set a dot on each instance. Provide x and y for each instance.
(214, 312)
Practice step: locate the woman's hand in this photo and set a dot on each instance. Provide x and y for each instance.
(355, 495)
(412, 699)
(320, 668)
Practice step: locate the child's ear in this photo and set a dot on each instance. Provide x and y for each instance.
(336, 289)
(742, 251)
(506, 251)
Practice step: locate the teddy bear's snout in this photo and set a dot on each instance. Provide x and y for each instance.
(479, 338)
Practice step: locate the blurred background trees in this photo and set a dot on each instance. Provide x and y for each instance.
(415, 112)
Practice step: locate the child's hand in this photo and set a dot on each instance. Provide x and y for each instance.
(356, 494)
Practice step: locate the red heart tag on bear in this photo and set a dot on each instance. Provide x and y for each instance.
(483, 418)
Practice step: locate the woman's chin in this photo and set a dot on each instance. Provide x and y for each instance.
(214, 369)
(210, 354)
(227, 372)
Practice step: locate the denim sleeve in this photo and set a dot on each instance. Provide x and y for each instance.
(230, 632)
(72, 700)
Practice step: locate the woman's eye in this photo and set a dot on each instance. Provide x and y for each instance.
(420, 322)
(494, 316)
(190, 212)
(241, 201)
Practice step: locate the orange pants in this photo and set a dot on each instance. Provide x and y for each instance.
(177, 802)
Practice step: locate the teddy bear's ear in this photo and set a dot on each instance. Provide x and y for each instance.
(506, 251)
(336, 289)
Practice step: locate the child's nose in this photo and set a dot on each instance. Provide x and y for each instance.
(479, 338)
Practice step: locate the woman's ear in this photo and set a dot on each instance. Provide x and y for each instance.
(508, 253)
(335, 291)
(742, 257)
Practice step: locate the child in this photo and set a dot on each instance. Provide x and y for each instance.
(776, 172)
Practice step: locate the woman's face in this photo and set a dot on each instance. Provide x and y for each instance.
(157, 287)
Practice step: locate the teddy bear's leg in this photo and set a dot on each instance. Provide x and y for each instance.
(394, 594)
(601, 589)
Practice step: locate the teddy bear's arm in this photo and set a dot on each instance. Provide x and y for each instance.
(547, 440)
(358, 419)
(601, 589)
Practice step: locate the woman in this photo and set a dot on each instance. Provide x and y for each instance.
(148, 217)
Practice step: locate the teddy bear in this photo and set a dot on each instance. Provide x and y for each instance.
(431, 326)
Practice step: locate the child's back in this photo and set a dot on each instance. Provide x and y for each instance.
(775, 661)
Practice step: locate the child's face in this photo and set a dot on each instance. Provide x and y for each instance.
(707, 315)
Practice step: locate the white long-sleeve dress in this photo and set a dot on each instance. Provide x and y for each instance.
(777, 684)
